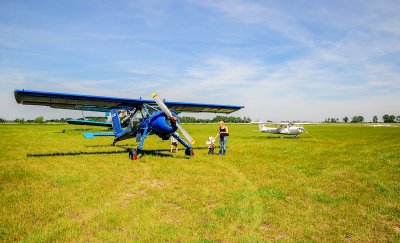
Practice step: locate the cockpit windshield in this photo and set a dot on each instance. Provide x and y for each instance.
(147, 110)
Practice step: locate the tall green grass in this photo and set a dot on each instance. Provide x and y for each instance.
(337, 183)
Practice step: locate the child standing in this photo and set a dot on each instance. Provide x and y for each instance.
(174, 143)
(211, 144)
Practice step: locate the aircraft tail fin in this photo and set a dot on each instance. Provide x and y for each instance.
(116, 124)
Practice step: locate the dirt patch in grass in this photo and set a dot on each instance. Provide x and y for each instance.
(172, 205)
(153, 183)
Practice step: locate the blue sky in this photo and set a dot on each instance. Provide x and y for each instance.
(282, 60)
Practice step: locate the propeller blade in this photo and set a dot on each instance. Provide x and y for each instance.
(165, 109)
(187, 136)
(161, 104)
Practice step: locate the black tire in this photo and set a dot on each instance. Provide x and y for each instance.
(189, 152)
(133, 154)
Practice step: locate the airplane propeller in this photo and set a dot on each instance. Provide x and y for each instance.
(167, 112)
(304, 130)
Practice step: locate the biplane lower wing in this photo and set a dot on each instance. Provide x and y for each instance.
(105, 104)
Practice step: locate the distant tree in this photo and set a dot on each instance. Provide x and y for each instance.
(331, 120)
(188, 119)
(375, 119)
(398, 119)
(389, 118)
(248, 119)
(357, 119)
(39, 119)
(20, 120)
(2, 120)
(346, 119)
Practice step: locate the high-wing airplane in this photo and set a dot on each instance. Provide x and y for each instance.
(284, 128)
(145, 117)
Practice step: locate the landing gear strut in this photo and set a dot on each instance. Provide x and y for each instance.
(133, 154)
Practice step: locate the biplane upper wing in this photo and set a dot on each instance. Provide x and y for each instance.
(105, 104)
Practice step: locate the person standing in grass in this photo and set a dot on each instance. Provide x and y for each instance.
(174, 143)
(223, 137)
(211, 144)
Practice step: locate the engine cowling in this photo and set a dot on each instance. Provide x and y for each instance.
(161, 125)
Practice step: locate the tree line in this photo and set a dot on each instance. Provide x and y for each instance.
(39, 119)
(360, 119)
(227, 119)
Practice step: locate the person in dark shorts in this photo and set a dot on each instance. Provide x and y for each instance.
(174, 143)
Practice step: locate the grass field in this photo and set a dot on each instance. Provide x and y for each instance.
(337, 183)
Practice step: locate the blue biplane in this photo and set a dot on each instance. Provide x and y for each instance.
(144, 117)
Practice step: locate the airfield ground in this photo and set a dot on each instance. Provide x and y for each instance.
(337, 183)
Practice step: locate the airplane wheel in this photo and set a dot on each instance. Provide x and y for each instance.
(133, 154)
(189, 152)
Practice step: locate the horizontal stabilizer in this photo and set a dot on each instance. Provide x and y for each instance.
(94, 134)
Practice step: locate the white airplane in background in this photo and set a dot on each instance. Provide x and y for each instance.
(284, 128)
(379, 125)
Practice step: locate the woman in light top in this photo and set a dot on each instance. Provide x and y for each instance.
(223, 137)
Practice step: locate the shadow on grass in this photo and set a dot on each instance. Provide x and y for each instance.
(126, 146)
(81, 130)
(157, 153)
(129, 147)
(276, 137)
(74, 153)
(142, 153)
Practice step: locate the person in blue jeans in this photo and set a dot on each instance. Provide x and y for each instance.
(223, 137)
